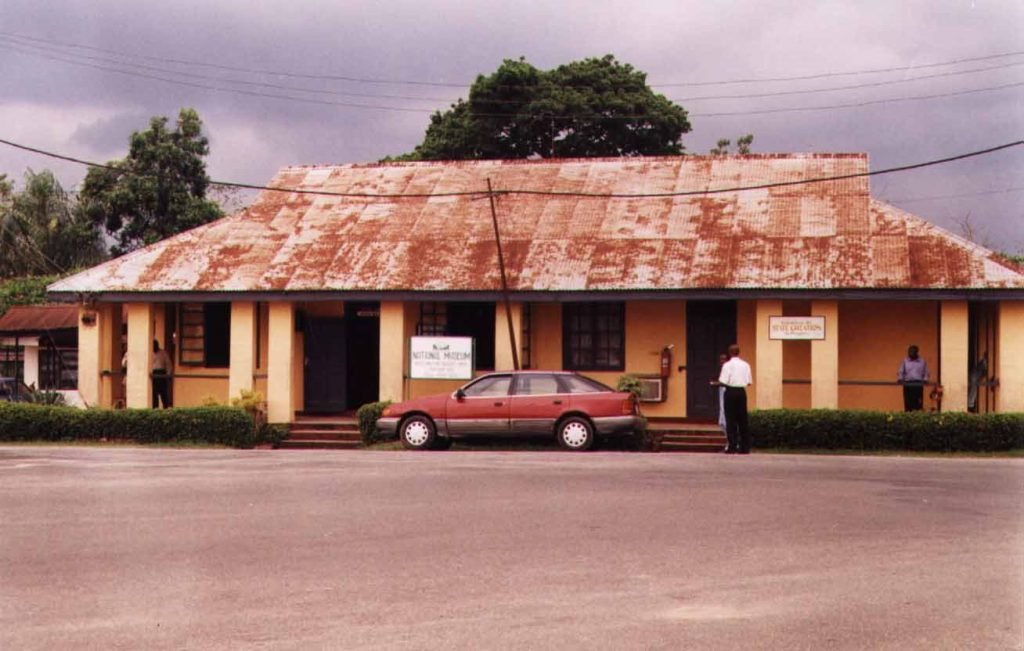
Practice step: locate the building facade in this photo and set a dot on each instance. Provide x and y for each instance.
(648, 266)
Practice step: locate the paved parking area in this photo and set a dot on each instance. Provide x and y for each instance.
(129, 548)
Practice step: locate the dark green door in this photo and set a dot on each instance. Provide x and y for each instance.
(710, 329)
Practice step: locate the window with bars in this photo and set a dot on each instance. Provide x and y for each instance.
(474, 320)
(594, 336)
(205, 334)
(12, 361)
(58, 368)
(433, 319)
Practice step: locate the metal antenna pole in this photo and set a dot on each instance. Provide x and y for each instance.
(504, 279)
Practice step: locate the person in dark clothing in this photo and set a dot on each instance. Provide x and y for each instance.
(736, 377)
(913, 375)
(161, 376)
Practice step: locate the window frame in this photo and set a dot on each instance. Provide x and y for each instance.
(194, 336)
(576, 315)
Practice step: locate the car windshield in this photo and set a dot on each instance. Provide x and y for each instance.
(491, 385)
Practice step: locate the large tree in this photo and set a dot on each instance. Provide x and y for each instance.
(594, 107)
(158, 190)
(40, 230)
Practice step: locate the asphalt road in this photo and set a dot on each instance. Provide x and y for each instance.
(128, 548)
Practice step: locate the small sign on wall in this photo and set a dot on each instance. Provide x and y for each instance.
(441, 358)
(796, 327)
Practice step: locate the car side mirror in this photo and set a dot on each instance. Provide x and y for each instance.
(459, 394)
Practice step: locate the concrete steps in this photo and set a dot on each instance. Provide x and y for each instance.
(687, 437)
(323, 433)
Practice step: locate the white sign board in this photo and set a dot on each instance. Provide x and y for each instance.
(441, 358)
(796, 327)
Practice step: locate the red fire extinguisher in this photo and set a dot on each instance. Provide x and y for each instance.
(666, 361)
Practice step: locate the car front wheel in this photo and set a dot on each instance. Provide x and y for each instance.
(575, 434)
(418, 433)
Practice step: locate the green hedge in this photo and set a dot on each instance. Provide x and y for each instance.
(368, 415)
(869, 430)
(221, 425)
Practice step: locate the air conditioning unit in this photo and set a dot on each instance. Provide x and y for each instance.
(652, 389)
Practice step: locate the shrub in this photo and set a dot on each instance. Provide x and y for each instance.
(46, 398)
(831, 429)
(254, 405)
(220, 425)
(630, 384)
(368, 415)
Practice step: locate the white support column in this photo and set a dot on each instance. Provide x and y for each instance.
(502, 346)
(140, 355)
(31, 359)
(768, 358)
(1010, 363)
(243, 348)
(953, 357)
(825, 358)
(280, 361)
(393, 343)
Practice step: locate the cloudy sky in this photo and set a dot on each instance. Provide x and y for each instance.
(319, 81)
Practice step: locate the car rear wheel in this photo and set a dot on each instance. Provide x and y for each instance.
(418, 433)
(575, 433)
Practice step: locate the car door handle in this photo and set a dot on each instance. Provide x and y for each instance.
(558, 402)
(499, 404)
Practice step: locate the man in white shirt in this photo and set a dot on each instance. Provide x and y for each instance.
(736, 377)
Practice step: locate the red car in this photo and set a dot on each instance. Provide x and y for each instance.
(572, 407)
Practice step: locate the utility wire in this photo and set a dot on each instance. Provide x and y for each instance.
(58, 55)
(379, 80)
(553, 193)
(380, 107)
(832, 89)
(956, 196)
(61, 56)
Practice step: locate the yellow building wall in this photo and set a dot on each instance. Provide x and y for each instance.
(873, 340)
(546, 338)
(796, 362)
(650, 326)
(193, 388)
(746, 339)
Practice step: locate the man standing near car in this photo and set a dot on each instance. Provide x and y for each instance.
(736, 377)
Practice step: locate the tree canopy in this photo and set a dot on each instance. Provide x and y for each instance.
(40, 230)
(158, 190)
(593, 107)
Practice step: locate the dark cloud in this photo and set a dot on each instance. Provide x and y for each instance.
(70, 99)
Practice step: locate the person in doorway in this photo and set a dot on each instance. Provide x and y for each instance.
(735, 378)
(720, 389)
(161, 376)
(913, 375)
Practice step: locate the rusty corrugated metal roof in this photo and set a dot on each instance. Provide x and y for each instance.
(826, 235)
(31, 319)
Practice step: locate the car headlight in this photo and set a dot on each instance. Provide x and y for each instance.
(388, 411)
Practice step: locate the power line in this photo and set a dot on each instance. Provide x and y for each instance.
(237, 91)
(58, 55)
(956, 196)
(50, 53)
(832, 89)
(379, 80)
(381, 107)
(552, 193)
(891, 100)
